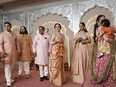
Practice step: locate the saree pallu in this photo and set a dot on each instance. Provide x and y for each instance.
(102, 71)
(56, 65)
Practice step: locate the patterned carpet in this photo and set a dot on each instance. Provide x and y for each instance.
(34, 80)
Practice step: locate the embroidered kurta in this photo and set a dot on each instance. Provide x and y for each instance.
(41, 45)
(25, 43)
(9, 45)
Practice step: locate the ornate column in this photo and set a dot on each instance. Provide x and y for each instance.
(76, 17)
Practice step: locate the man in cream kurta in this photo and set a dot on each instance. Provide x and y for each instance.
(8, 50)
(41, 48)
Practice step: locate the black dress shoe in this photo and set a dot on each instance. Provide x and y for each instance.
(46, 78)
(42, 79)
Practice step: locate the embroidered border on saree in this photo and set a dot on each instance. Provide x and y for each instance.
(111, 62)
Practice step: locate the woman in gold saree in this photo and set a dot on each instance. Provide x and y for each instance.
(56, 65)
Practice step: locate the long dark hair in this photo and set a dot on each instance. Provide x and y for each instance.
(96, 26)
(26, 32)
(84, 26)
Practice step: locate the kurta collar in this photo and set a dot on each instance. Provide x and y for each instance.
(9, 32)
(41, 35)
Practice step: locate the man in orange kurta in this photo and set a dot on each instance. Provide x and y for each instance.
(8, 50)
(25, 43)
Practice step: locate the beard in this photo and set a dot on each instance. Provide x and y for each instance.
(22, 32)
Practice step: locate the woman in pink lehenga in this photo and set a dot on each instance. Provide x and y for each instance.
(56, 61)
(80, 54)
(102, 69)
